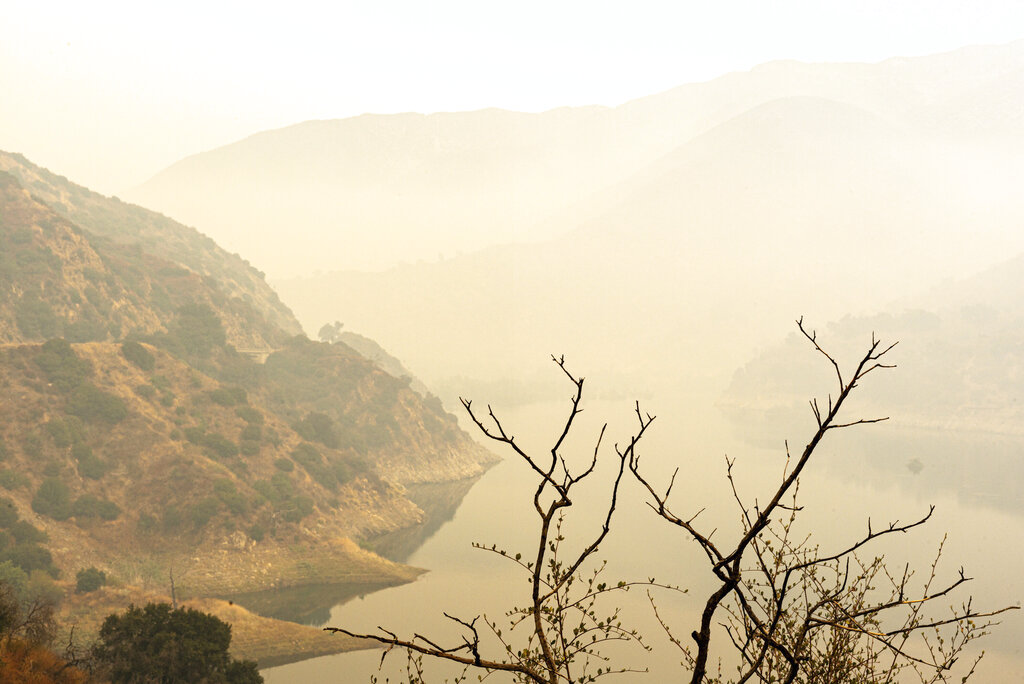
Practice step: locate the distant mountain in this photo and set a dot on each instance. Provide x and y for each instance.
(375, 190)
(162, 416)
(960, 360)
(800, 205)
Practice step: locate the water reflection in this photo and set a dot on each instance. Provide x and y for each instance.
(439, 502)
(978, 468)
(311, 605)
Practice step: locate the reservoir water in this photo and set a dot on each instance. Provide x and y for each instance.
(883, 472)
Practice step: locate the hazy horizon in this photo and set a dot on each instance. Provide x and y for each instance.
(110, 93)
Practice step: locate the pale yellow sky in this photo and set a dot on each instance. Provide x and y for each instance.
(109, 93)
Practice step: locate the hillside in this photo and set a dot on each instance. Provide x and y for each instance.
(135, 229)
(157, 422)
(62, 281)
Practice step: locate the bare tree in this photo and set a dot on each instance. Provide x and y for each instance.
(794, 613)
(557, 636)
(791, 612)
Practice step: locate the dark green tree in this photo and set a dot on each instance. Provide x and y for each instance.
(330, 332)
(159, 644)
(139, 355)
(89, 579)
(198, 330)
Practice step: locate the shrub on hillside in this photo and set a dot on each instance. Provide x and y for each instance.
(13, 479)
(138, 355)
(52, 499)
(36, 318)
(89, 465)
(249, 415)
(88, 506)
(196, 331)
(229, 495)
(93, 405)
(88, 580)
(65, 432)
(146, 391)
(8, 513)
(222, 397)
(25, 532)
(203, 511)
(220, 445)
(29, 557)
(62, 367)
(318, 427)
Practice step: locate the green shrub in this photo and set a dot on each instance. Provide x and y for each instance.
(226, 491)
(257, 532)
(14, 577)
(25, 533)
(161, 383)
(172, 519)
(222, 397)
(196, 331)
(252, 433)
(88, 506)
(205, 509)
(145, 391)
(276, 490)
(3, 449)
(65, 432)
(89, 579)
(42, 587)
(89, 465)
(29, 557)
(93, 405)
(53, 499)
(138, 355)
(310, 459)
(8, 513)
(13, 479)
(32, 445)
(220, 445)
(297, 508)
(195, 435)
(87, 329)
(61, 365)
(146, 523)
(284, 464)
(249, 448)
(318, 427)
(36, 318)
(249, 415)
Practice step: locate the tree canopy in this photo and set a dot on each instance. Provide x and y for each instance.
(162, 644)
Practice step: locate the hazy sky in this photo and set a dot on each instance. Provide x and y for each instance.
(108, 93)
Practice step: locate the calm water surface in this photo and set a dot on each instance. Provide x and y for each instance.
(880, 472)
